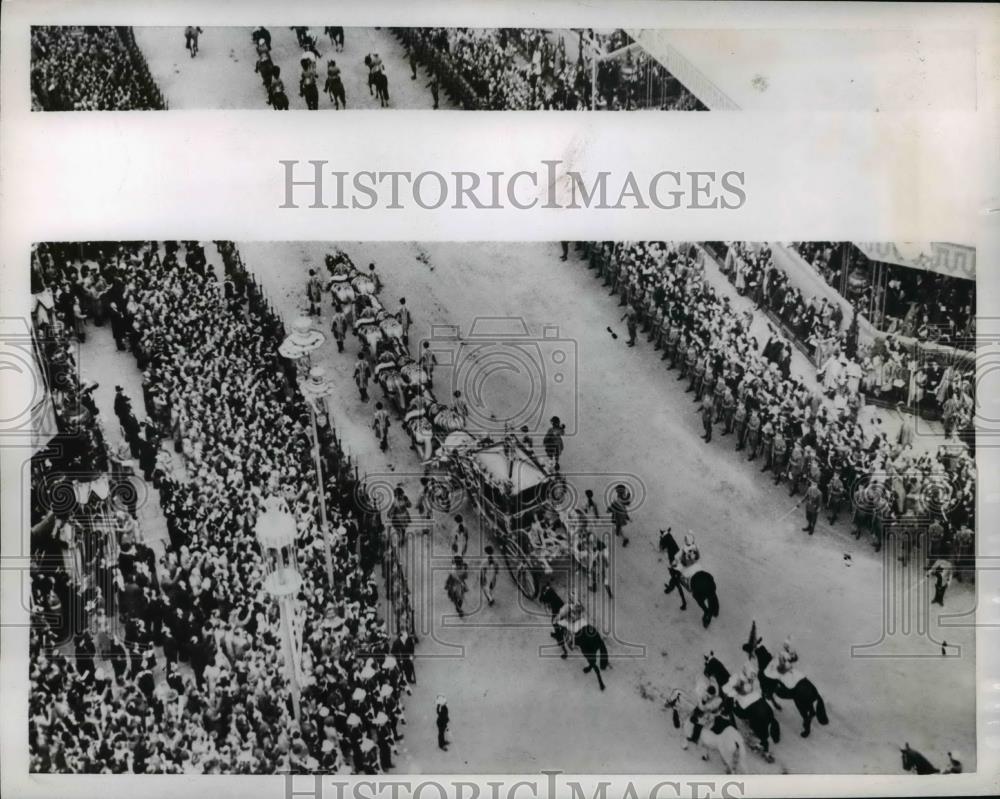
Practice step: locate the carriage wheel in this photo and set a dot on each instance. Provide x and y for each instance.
(523, 574)
(526, 582)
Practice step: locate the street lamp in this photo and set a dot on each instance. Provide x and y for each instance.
(302, 341)
(314, 389)
(276, 533)
(298, 346)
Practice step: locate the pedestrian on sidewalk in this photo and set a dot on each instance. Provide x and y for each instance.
(338, 326)
(380, 424)
(488, 575)
(362, 374)
(442, 722)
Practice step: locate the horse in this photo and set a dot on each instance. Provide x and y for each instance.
(807, 699)
(722, 736)
(758, 715)
(699, 582)
(378, 83)
(590, 643)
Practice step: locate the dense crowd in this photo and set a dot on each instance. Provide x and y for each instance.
(915, 303)
(889, 370)
(516, 69)
(89, 68)
(196, 681)
(804, 438)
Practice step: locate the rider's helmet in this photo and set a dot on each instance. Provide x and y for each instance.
(788, 652)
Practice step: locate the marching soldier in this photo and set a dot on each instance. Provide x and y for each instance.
(362, 374)
(338, 326)
(405, 320)
(428, 360)
(380, 424)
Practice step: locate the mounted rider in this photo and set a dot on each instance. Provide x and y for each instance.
(707, 710)
(571, 618)
(687, 562)
(744, 687)
(782, 668)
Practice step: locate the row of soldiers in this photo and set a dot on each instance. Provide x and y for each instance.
(817, 448)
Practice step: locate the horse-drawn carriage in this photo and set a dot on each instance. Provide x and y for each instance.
(512, 492)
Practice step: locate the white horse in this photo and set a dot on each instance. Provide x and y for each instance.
(728, 743)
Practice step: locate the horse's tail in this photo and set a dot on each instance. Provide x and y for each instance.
(604, 653)
(736, 767)
(821, 716)
(775, 730)
(713, 601)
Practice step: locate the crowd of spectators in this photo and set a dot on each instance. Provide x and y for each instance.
(89, 68)
(889, 369)
(536, 69)
(915, 303)
(187, 675)
(803, 434)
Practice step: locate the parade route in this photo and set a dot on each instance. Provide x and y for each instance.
(750, 537)
(222, 75)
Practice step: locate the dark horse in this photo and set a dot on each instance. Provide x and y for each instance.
(807, 699)
(759, 716)
(702, 584)
(914, 761)
(378, 83)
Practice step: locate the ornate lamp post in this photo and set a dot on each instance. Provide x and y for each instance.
(302, 341)
(314, 389)
(276, 532)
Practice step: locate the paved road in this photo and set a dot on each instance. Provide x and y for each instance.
(514, 708)
(222, 75)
